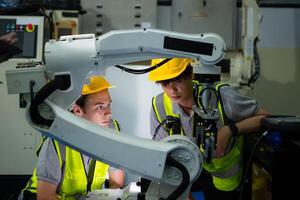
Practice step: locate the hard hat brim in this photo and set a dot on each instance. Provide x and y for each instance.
(169, 70)
(96, 84)
(159, 75)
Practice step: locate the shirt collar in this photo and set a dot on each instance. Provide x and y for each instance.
(177, 109)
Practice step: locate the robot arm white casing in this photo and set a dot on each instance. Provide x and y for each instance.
(77, 55)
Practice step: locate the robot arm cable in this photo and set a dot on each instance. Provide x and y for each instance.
(256, 73)
(60, 82)
(201, 99)
(248, 166)
(170, 122)
(142, 71)
(185, 179)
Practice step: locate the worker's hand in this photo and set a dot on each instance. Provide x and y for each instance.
(223, 139)
(9, 38)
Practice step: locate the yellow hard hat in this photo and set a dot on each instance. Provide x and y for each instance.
(169, 70)
(96, 84)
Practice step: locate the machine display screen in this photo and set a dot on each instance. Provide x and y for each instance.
(26, 34)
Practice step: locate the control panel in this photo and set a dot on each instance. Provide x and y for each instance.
(29, 30)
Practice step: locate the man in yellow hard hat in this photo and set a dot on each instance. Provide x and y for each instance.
(238, 115)
(64, 173)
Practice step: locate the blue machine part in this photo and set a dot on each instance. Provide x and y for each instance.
(274, 139)
(8, 4)
(198, 195)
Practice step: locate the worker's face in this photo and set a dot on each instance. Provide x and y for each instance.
(96, 109)
(179, 91)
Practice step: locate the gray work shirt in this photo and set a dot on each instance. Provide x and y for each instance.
(236, 106)
(48, 168)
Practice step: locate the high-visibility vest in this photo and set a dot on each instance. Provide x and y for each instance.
(74, 179)
(227, 170)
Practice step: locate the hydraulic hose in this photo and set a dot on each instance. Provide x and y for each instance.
(60, 82)
(142, 71)
(185, 179)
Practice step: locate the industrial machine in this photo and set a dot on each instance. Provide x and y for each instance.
(22, 138)
(171, 165)
(274, 153)
(241, 64)
(29, 30)
(18, 138)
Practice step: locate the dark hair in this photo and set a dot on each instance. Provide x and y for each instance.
(81, 101)
(186, 74)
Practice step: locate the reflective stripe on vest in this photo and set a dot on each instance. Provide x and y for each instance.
(226, 171)
(74, 181)
(116, 125)
(162, 106)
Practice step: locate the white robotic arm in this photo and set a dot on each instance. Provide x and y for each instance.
(77, 55)
(171, 165)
